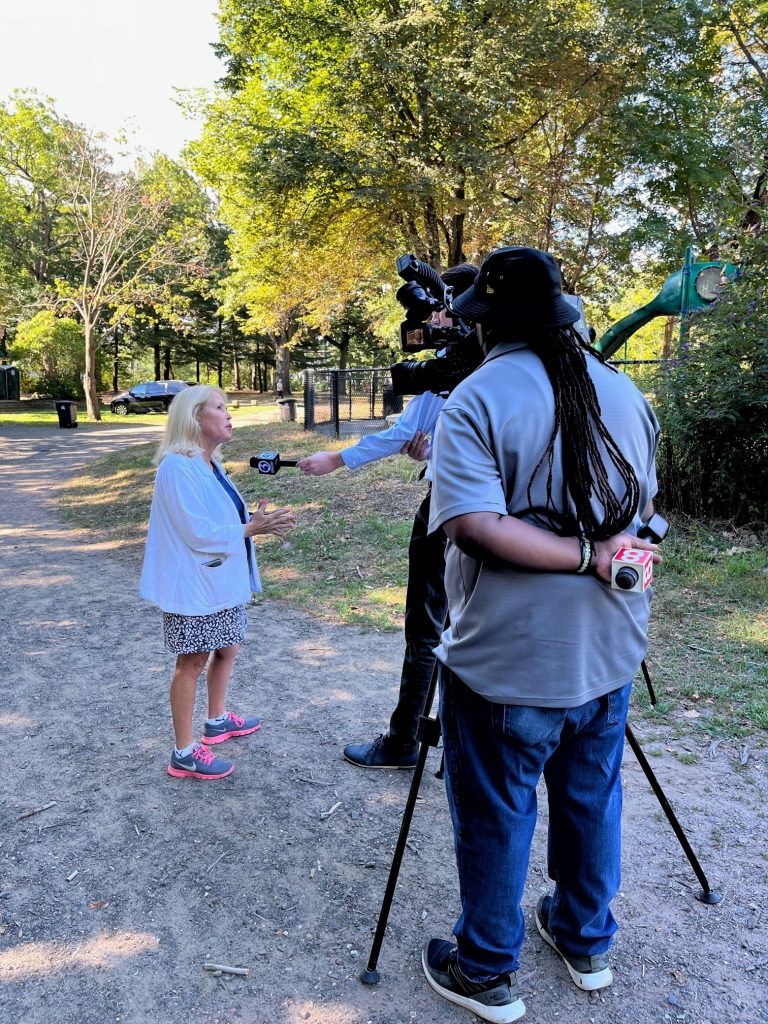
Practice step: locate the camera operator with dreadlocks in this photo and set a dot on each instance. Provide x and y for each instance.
(425, 601)
(543, 467)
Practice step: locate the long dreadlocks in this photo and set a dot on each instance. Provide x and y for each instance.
(598, 511)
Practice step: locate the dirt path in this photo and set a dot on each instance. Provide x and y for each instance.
(113, 898)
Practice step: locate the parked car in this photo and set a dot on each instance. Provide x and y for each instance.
(156, 394)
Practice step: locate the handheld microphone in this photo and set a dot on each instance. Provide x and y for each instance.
(632, 569)
(270, 463)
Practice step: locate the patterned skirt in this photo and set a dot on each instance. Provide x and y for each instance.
(193, 634)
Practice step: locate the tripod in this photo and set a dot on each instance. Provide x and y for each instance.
(429, 736)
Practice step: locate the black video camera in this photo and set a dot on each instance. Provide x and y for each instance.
(423, 294)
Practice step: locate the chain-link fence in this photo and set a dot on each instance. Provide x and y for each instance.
(348, 403)
(352, 403)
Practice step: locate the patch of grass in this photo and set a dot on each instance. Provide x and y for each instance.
(687, 757)
(347, 561)
(708, 653)
(263, 407)
(31, 418)
(112, 499)
(49, 417)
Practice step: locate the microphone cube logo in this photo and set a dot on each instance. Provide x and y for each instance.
(632, 570)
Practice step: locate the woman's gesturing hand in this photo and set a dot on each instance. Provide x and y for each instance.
(278, 523)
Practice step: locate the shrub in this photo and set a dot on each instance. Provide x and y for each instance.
(49, 350)
(713, 404)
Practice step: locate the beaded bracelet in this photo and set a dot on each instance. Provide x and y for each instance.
(586, 555)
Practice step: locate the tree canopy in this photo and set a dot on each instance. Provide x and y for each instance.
(341, 135)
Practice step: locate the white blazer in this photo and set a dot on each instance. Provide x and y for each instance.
(195, 562)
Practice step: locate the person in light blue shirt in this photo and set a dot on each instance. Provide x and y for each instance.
(425, 601)
(409, 435)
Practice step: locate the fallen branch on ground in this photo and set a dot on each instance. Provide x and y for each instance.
(223, 969)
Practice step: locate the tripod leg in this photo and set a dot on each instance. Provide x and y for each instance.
(430, 734)
(648, 683)
(708, 894)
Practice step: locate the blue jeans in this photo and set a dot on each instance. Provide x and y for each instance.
(494, 756)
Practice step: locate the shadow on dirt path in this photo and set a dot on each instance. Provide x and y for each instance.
(125, 882)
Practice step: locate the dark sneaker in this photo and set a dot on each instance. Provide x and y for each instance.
(497, 1000)
(200, 764)
(588, 972)
(233, 725)
(381, 753)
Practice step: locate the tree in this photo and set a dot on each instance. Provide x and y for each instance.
(172, 308)
(50, 350)
(80, 236)
(34, 234)
(345, 135)
(124, 237)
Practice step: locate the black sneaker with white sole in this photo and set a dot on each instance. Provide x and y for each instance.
(497, 1000)
(381, 753)
(588, 972)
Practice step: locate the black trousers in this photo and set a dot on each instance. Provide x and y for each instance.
(425, 609)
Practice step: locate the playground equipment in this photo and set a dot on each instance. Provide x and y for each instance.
(693, 287)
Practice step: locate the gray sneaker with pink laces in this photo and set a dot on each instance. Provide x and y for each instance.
(200, 764)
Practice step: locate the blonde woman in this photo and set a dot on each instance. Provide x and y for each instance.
(200, 569)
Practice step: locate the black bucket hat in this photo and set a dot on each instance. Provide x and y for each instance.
(517, 287)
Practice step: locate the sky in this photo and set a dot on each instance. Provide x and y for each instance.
(111, 65)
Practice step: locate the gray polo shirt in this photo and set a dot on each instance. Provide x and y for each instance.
(516, 636)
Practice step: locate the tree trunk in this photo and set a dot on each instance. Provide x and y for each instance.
(456, 244)
(283, 362)
(156, 350)
(669, 333)
(344, 350)
(167, 363)
(219, 347)
(92, 408)
(262, 381)
(235, 355)
(259, 359)
(197, 365)
(115, 360)
(433, 235)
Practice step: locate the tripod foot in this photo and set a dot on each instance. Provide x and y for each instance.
(709, 896)
(369, 977)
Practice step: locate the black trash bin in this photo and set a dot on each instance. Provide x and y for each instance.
(67, 413)
(392, 403)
